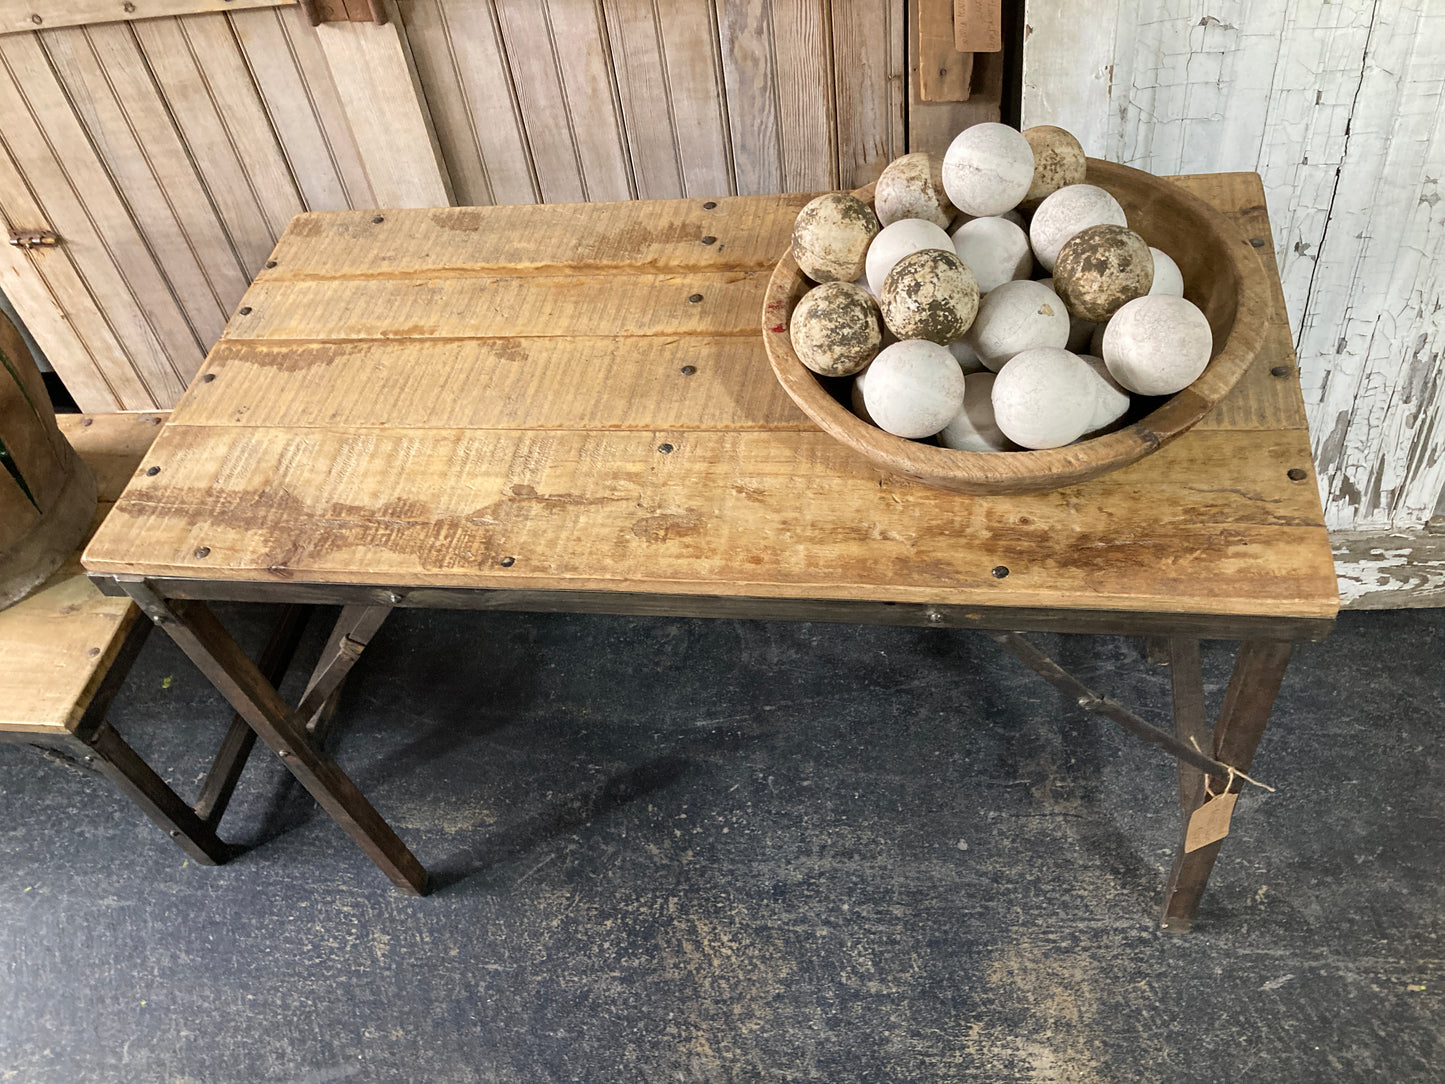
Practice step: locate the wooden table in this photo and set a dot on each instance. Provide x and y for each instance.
(569, 408)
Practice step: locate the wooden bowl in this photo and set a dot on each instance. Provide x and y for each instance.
(1222, 275)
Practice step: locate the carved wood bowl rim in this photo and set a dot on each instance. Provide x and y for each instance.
(1235, 299)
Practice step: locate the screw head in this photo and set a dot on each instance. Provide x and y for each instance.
(507, 562)
(693, 299)
(202, 552)
(709, 240)
(1257, 242)
(709, 205)
(1000, 571)
(1279, 370)
(378, 220)
(208, 378)
(245, 310)
(665, 449)
(688, 370)
(270, 263)
(151, 472)
(1296, 474)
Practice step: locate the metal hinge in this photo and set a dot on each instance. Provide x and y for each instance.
(32, 238)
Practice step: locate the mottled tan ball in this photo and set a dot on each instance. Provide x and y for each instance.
(1100, 269)
(912, 187)
(831, 237)
(930, 295)
(836, 329)
(1058, 161)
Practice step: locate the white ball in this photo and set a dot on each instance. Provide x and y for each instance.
(966, 356)
(1072, 208)
(995, 250)
(1014, 216)
(987, 169)
(902, 238)
(912, 389)
(1044, 398)
(1157, 344)
(1168, 279)
(1017, 316)
(1081, 331)
(1111, 402)
(974, 428)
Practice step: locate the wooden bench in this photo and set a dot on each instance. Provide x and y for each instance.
(66, 649)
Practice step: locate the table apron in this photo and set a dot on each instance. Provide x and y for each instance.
(845, 611)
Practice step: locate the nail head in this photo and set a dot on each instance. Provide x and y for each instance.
(270, 263)
(245, 310)
(208, 378)
(709, 240)
(153, 471)
(36, 19)
(1297, 474)
(665, 449)
(1257, 242)
(507, 562)
(93, 652)
(87, 421)
(709, 205)
(1279, 370)
(688, 370)
(202, 552)
(379, 219)
(1000, 571)
(693, 299)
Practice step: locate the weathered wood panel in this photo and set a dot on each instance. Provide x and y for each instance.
(1339, 108)
(18, 15)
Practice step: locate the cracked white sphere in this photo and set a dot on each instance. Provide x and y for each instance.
(974, 428)
(1017, 316)
(1044, 398)
(1111, 402)
(987, 169)
(1071, 209)
(1167, 277)
(995, 250)
(1157, 344)
(901, 238)
(912, 389)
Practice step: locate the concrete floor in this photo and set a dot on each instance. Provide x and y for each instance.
(708, 851)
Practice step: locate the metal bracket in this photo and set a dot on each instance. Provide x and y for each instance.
(28, 239)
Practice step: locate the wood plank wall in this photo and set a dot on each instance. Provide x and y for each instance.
(169, 152)
(1339, 108)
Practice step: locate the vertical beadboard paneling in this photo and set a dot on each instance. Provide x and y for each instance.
(692, 61)
(305, 111)
(745, 29)
(465, 76)
(803, 59)
(1338, 107)
(639, 59)
(254, 214)
(110, 88)
(869, 59)
(560, 67)
(53, 152)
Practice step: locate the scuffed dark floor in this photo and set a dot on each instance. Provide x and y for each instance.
(711, 850)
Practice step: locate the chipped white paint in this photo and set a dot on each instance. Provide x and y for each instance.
(1387, 570)
(1338, 107)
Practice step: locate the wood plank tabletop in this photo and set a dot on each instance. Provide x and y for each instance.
(574, 401)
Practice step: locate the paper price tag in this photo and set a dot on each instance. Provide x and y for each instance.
(1210, 822)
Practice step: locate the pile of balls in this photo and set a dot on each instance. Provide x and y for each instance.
(928, 297)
